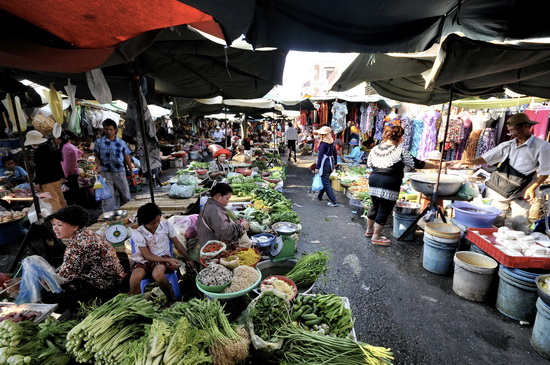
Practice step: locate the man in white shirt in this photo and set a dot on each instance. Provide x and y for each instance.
(513, 184)
(218, 135)
(291, 136)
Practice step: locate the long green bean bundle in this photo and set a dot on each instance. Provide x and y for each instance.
(304, 347)
(308, 268)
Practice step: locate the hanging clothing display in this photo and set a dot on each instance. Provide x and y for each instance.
(539, 115)
(471, 145)
(339, 113)
(379, 126)
(429, 135)
(407, 125)
(461, 146)
(417, 131)
(132, 128)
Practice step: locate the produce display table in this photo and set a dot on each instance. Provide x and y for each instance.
(165, 203)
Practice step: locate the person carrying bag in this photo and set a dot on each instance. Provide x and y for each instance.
(325, 164)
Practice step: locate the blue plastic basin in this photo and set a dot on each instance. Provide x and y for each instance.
(475, 215)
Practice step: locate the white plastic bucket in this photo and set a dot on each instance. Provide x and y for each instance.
(473, 275)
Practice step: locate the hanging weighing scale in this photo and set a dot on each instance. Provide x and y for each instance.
(284, 246)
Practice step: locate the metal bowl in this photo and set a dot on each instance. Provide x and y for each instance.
(406, 208)
(121, 213)
(448, 184)
(285, 228)
(269, 268)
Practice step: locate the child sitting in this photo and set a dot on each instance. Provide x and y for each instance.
(152, 255)
(16, 175)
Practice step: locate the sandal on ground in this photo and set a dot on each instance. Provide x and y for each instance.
(381, 241)
(369, 234)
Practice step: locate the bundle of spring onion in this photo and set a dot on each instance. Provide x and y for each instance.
(303, 347)
(308, 268)
(106, 334)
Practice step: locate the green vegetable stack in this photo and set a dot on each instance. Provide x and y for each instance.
(324, 314)
(308, 268)
(304, 347)
(106, 334)
(268, 314)
(31, 343)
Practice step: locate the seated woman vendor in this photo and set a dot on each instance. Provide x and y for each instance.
(152, 256)
(214, 223)
(89, 261)
(219, 167)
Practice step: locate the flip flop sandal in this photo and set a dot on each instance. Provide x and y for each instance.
(381, 241)
(369, 234)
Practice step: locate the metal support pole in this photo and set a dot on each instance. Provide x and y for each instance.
(436, 186)
(137, 79)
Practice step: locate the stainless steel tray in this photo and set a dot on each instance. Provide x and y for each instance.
(44, 309)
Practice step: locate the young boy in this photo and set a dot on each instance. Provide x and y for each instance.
(16, 175)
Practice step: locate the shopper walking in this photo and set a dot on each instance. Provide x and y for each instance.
(291, 136)
(111, 154)
(388, 161)
(49, 174)
(69, 156)
(326, 160)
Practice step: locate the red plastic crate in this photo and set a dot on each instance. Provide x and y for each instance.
(488, 246)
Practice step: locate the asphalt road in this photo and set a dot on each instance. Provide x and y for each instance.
(395, 301)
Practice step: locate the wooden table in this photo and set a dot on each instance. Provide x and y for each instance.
(166, 204)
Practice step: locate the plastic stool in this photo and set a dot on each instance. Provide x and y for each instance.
(172, 278)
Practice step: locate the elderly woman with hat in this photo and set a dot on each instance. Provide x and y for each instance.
(523, 166)
(219, 167)
(326, 161)
(49, 175)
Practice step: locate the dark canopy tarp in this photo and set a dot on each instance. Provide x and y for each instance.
(397, 78)
(468, 67)
(477, 68)
(374, 26)
(181, 62)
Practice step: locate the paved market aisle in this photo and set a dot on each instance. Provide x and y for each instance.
(395, 301)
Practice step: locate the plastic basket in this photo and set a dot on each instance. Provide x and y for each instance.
(487, 244)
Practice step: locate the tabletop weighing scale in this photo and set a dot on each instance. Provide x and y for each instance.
(281, 247)
(116, 232)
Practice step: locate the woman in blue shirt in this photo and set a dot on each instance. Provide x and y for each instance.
(356, 154)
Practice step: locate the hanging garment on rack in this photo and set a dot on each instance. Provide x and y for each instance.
(407, 125)
(339, 113)
(539, 115)
(417, 131)
(471, 145)
(364, 115)
(379, 126)
(461, 146)
(429, 136)
(487, 141)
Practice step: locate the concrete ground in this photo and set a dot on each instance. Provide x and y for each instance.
(395, 301)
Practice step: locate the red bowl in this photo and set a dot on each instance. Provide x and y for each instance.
(245, 249)
(243, 171)
(286, 280)
(201, 171)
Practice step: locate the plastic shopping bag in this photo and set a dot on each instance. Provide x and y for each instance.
(103, 193)
(35, 270)
(317, 184)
